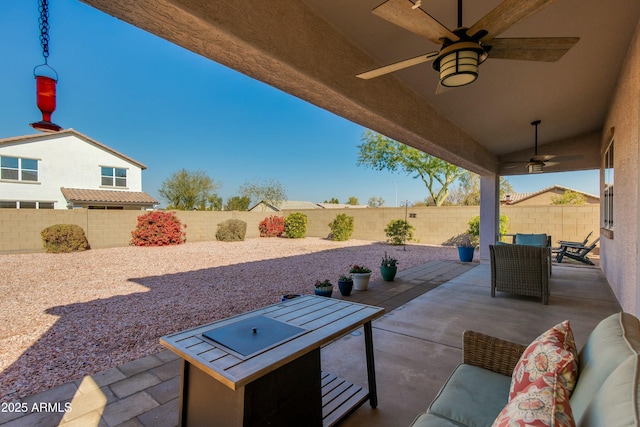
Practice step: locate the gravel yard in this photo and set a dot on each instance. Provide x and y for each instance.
(64, 316)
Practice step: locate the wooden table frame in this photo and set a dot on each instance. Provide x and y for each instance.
(325, 319)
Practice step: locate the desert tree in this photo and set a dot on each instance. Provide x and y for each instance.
(268, 191)
(380, 152)
(237, 203)
(375, 202)
(189, 190)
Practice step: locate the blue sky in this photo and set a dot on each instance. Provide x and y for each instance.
(171, 109)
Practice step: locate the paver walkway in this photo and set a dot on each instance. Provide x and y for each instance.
(145, 392)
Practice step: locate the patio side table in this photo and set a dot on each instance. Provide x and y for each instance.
(263, 367)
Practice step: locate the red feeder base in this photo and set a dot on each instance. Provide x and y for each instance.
(43, 126)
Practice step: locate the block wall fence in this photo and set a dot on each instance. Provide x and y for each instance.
(20, 228)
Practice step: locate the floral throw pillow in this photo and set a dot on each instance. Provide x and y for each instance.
(552, 352)
(544, 403)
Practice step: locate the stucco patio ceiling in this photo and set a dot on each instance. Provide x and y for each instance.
(313, 49)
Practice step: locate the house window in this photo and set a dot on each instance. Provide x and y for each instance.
(114, 177)
(18, 169)
(607, 211)
(17, 204)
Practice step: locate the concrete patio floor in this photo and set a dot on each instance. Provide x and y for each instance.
(417, 345)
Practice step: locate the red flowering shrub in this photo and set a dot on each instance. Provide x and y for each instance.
(272, 226)
(158, 229)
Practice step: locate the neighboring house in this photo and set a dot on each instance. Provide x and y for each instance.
(544, 196)
(341, 206)
(288, 205)
(66, 170)
(263, 206)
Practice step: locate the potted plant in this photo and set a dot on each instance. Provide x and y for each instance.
(466, 248)
(324, 288)
(361, 276)
(388, 268)
(345, 285)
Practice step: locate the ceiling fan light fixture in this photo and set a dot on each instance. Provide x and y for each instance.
(458, 63)
(459, 68)
(535, 167)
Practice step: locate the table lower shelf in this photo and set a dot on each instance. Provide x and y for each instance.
(339, 398)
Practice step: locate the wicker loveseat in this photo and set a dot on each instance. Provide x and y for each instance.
(520, 269)
(606, 393)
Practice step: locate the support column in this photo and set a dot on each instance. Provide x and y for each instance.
(489, 213)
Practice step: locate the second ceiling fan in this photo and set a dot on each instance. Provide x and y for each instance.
(464, 49)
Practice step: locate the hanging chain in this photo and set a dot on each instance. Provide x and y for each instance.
(43, 8)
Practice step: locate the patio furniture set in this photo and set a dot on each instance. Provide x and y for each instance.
(230, 365)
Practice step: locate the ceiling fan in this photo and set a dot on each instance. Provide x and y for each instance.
(463, 49)
(538, 162)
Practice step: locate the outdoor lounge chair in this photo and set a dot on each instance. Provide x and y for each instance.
(561, 242)
(521, 270)
(576, 251)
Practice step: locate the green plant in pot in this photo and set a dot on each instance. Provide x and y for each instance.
(388, 268)
(361, 276)
(466, 248)
(345, 285)
(468, 241)
(324, 288)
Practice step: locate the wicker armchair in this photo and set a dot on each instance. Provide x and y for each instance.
(520, 269)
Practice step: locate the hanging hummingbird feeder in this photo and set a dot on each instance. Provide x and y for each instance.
(46, 76)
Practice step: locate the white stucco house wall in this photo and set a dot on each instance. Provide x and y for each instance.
(66, 170)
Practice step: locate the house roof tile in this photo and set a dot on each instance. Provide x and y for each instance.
(518, 197)
(81, 195)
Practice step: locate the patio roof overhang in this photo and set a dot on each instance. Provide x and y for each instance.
(313, 49)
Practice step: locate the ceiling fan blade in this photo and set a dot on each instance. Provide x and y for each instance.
(401, 13)
(511, 165)
(542, 157)
(398, 66)
(547, 49)
(505, 15)
(549, 164)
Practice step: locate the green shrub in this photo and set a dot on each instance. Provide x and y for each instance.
(295, 225)
(64, 238)
(474, 228)
(399, 231)
(158, 229)
(341, 227)
(231, 230)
